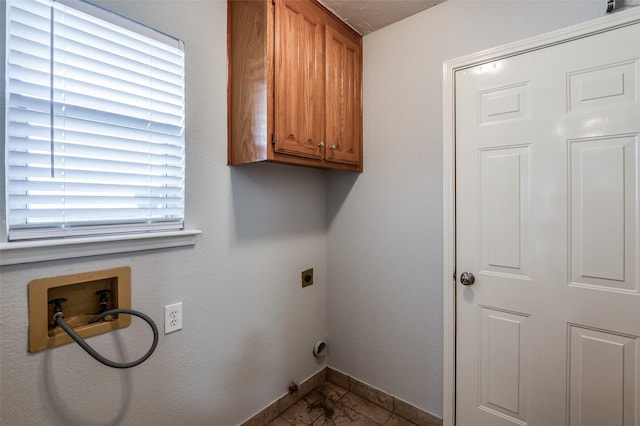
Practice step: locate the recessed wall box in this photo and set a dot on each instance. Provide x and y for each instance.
(307, 277)
(82, 293)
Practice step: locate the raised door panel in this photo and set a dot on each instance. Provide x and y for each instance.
(343, 99)
(604, 212)
(503, 364)
(504, 178)
(603, 386)
(299, 88)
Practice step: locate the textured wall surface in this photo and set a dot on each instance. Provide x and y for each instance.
(248, 325)
(385, 237)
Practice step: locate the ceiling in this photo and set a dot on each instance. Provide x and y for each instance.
(366, 16)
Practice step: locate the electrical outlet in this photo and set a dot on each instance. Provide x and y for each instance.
(307, 277)
(172, 318)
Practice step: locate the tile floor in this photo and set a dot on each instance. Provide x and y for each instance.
(330, 404)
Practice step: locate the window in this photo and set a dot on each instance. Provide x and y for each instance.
(94, 125)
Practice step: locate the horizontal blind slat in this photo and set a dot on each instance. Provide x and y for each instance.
(96, 60)
(88, 43)
(70, 104)
(109, 30)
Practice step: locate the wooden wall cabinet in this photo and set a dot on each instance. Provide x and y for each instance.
(295, 85)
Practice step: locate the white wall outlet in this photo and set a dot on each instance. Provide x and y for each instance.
(172, 318)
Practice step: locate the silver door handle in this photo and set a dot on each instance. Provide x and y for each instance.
(467, 278)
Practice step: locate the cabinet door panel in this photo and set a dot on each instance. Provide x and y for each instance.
(343, 99)
(299, 88)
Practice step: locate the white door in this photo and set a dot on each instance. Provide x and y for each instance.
(548, 221)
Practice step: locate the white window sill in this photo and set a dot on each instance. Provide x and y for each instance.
(37, 251)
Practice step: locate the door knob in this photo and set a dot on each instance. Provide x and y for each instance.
(467, 278)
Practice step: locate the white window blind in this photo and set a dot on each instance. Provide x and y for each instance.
(94, 124)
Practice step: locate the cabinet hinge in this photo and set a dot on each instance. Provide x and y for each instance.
(273, 138)
(273, 2)
(455, 276)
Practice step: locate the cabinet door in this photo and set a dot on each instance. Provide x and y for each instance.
(299, 87)
(343, 99)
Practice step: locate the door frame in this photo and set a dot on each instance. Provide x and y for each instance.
(595, 26)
